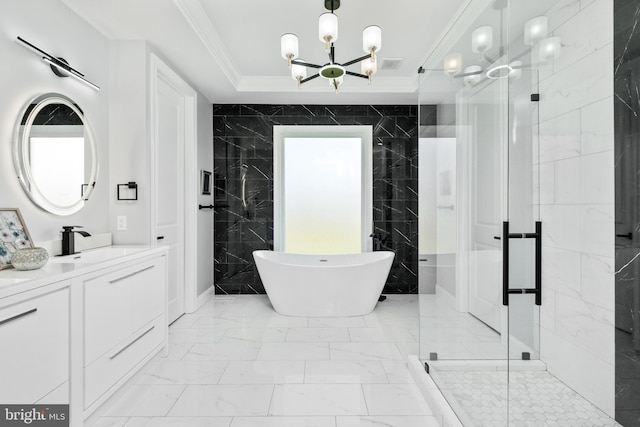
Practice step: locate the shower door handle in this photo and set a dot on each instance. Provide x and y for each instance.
(537, 290)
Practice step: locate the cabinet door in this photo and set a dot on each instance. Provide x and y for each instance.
(149, 292)
(34, 343)
(107, 311)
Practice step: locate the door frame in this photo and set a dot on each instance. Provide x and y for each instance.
(161, 71)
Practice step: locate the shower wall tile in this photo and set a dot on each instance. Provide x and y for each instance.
(597, 126)
(562, 92)
(243, 140)
(584, 34)
(596, 277)
(577, 201)
(560, 137)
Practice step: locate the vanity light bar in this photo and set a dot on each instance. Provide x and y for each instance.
(64, 69)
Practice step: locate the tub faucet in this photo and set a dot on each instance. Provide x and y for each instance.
(378, 241)
(68, 241)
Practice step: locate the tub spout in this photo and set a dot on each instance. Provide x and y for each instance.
(378, 241)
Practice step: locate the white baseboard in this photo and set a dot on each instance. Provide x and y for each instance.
(204, 297)
(446, 296)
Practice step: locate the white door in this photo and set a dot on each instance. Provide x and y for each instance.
(169, 169)
(486, 174)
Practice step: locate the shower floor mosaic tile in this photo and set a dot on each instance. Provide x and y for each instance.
(537, 399)
(237, 363)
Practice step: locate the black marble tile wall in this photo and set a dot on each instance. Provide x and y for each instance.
(627, 209)
(243, 144)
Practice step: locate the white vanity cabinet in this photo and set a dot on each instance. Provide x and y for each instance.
(34, 346)
(124, 323)
(74, 331)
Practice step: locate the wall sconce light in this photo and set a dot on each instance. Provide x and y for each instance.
(59, 66)
(128, 191)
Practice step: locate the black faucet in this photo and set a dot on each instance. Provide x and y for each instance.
(68, 243)
(378, 241)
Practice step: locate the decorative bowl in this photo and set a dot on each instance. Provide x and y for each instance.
(29, 258)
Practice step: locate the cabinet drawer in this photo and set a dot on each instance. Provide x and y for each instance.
(149, 292)
(34, 341)
(121, 359)
(107, 311)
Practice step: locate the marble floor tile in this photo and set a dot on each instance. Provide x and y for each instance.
(318, 399)
(182, 372)
(146, 401)
(179, 421)
(188, 335)
(210, 322)
(397, 372)
(263, 372)
(283, 422)
(107, 422)
(387, 421)
(255, 335)
(385, 334)
(317, 335)
(293, 351)
(223, 351)
(344, 372)
(395, 399)
(278, 321)
(337, 322)
(176, 351)
(184, 321)
(223, 401)
(364, 351)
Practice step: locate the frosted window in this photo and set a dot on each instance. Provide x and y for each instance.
(322, 203)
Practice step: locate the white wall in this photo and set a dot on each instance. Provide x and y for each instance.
(55, 29)
(118, 115)
(130, 139)
(577, 201)
(205, 216)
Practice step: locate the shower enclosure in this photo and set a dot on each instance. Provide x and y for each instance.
(483, 197)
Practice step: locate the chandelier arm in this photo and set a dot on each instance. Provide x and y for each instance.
(472, 73)
(306, 64)
(355, 61)
(351, 73)
(309, 78)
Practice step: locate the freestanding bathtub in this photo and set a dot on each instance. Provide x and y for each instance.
(323, 285)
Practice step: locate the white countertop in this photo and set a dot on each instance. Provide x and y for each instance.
(60, 268)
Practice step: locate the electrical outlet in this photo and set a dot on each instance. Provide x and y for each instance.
(121, 222)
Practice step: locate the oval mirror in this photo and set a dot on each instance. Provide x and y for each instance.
(55, 154)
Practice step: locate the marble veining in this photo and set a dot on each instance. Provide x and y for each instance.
(243, 136)
(627, 170)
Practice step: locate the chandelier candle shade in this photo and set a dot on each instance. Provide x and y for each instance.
(328, 34)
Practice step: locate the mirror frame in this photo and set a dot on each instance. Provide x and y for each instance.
(21, 153)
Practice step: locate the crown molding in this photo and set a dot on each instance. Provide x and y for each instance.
(287, 84)
(197, 18)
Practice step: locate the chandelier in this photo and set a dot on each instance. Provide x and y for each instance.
(328, 33)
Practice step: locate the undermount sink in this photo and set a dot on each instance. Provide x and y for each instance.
(96, 255)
